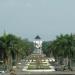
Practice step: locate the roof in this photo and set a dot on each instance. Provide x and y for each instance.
(37, 37)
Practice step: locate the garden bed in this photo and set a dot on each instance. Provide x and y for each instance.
(38, 66)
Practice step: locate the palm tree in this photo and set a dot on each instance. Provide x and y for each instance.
(14, 48)
(63, 47)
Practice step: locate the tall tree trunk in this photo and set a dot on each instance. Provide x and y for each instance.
(69, 64)
(17, 59)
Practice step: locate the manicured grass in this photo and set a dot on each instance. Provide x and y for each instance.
(33, 66)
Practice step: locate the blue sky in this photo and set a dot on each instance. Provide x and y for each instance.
(28, 18)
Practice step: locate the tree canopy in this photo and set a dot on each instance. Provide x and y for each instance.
(14, 48)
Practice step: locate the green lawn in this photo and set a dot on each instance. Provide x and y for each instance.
(38, 66)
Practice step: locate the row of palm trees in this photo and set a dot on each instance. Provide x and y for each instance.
(13, 48)
(63, 47)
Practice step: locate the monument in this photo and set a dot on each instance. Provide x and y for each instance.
(37, 45)
(37, 61)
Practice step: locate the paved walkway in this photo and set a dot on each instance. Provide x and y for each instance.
(46, 73)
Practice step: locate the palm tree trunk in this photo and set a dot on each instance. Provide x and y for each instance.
(10, 62)
(17, 59)
(69, 64)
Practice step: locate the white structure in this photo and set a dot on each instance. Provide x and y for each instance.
(38, 45)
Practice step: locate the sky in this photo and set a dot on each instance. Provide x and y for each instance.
(46, 18)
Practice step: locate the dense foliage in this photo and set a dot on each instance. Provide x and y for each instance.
(62, 47)
(13, 48)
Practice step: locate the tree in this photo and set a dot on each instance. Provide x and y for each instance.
(14, 48)
(63, 47)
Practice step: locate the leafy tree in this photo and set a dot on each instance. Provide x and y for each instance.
(63, 47)
(13, 48)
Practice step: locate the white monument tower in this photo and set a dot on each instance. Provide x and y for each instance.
(38, 45)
